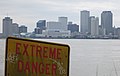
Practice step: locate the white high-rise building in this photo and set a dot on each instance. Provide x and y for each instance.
(63, 21)
(7, 27)
(94, 26)
(84, 21)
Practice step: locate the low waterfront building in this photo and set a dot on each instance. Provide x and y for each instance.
(56, 33)
(73, 27)
(23, 29)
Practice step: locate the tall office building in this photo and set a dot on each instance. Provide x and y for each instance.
(41, 24)
(89, 27)
(7, 27)
(94, 26)
(107, 22)
(84, 23)
(15, 28)
(63, 21)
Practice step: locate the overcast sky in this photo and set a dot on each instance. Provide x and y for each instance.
(28, 12)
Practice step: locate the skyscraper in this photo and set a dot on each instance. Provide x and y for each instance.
(41, 24)
(94, 26)
(63, 21)
(15, 28)
(7, 27)
(84, 21)
(107, 22)
(89, 27)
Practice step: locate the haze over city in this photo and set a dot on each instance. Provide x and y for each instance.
(28, 12)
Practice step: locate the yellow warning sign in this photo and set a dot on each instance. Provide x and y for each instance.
(26, 57)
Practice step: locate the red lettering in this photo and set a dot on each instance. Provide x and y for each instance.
(25, 49)
(58, 53)
(52, 53)
(34, 67)
(54, 68)
(45, 49)
(47, 69)
(18, 48)
(41, 68)
(32, 50)
(20, 66)
(39, 51)
(37, 68)
(27, 67)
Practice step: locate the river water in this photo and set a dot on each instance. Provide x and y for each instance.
(95, 57)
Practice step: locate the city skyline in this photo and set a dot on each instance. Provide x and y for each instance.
(64, 29)
(49, 10)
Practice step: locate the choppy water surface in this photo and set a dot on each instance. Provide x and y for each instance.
(87, 57)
